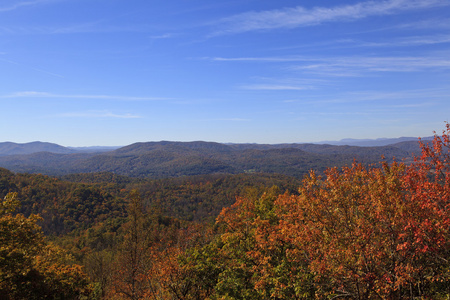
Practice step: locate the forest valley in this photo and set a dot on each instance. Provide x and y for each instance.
(357, 232)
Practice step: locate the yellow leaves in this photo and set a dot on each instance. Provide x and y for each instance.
(57, 266)
(9, 204)
(29, 267)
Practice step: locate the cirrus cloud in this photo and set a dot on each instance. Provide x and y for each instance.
(299, 16)
(99, 114)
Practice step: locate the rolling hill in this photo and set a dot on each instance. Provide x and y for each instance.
(174, 159)
(9, 148)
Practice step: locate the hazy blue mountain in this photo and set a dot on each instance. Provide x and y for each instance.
(174, 159)
(93, 149)
(44, 162)
(197, 146)
(373, 142)
(9, 148)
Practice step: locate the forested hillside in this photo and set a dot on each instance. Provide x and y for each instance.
(9, 148)
(173, 159)
(78, 201)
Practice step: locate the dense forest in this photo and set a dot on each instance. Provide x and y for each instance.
(352, 231)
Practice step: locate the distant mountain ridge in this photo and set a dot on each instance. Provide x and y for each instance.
(173, 159)
(373, 142)
(10, 148)
(91, 149)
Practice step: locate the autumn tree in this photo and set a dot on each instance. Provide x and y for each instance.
(20, 241)
(59, 276)
(30, 268)
(348, 226)
(371, 233)
(250, 259)
(99, 267)
(133, 278)
(176, 278)
(359, 232)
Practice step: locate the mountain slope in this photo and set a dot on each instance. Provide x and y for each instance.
(9, 148)
(373, 142)
(174, 159)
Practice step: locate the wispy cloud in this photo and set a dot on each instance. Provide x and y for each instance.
(99, 114)
(35, 94)
(98, 26)
(22, 4)
(425, 24)
(299, 16)
(234, 119)
(406, 41)
(162, 36)
(401, 98)
(273, 87)
(261, 59)
(416, 105)
(352, 66)
(411, 41)
(371, 95)
(32, 68)
(27, 94)
(226, 120)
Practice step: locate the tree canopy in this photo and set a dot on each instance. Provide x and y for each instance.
(31, 268)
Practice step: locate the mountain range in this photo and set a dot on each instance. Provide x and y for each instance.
(373, 142)
(9, 148)
(173, 159)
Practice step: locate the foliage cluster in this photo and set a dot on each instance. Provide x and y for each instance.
(30, 267)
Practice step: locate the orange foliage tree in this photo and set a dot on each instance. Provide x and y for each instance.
(133, 266)
(361, 232)
(376, 232)
(250, 259)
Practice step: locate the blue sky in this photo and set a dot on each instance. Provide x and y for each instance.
(115, 72)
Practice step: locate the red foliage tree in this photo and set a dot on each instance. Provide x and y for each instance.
(376, 232)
